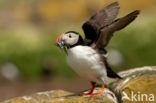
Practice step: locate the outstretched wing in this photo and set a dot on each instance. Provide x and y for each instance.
(107, 32)
(101, 19)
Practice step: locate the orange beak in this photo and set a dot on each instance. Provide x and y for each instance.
(59, 42)
(58, 39)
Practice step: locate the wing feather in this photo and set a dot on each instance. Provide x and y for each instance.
(102, 18)
(107, 32)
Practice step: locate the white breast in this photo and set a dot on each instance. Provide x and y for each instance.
(86, 62)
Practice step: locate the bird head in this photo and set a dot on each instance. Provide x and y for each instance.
(69, 39)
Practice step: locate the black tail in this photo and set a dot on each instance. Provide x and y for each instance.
(110, 72)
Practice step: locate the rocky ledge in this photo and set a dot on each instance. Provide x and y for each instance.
(138, 86)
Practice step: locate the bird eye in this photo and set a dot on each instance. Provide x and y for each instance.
(70, 36)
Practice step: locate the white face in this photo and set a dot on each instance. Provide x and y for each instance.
(70, 38)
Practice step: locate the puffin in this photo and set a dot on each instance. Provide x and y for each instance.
(88, 56)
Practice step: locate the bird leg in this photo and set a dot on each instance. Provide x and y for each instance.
(90, 92)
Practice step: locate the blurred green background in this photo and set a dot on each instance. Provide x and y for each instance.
(29, 60)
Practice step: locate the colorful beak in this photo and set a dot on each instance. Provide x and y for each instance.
(60, 42)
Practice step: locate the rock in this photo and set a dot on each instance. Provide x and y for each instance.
(138, 86)
(55, 96)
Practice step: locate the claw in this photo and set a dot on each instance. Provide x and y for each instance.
(100, 92)
(90, 92)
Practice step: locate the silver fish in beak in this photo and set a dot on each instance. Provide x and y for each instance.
(61, 43)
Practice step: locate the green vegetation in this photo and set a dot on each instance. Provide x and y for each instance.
(137, 44)
(28, 51)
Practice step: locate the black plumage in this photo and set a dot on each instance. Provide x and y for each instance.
(100, 28)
